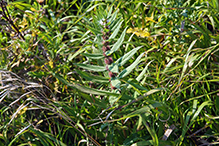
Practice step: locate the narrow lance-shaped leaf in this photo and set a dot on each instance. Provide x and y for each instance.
(110, 12)
(93, 30)
(93, 56)
(47, 136)
(113, 17)
(94, 6)
(96, 101)
(91, 67)
(92, 91)
(151, 130)
(113, 25)
(186, 60)
(126, 71)
(186, 121)
(199, 110)
(206, 54)
(170, 63)
(92, 77)
(117, 45)
(115, 82)
(143, 110)
(114, 68)
(189, 114)
(121, 61)
(136, 85)
(115, 32)
(143, 72)
(82, 88)
(72, 56)
(87, 11)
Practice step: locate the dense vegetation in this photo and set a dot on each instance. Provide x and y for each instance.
(113, 72)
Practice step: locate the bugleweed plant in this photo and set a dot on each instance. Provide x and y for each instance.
(109, 73)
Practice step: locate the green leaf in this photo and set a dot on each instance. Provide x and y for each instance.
(110, 12)
(150, 142)
(115, 32)
(91, 67)
(21, 5)
(189, 114)
(117, 45)
(92, 91)
(94, 30)
(185, 127)
(113, 17)
(114, 68)
(144, 110)
(170, 63)
(52, 14)
(95, 101)
(84, 89)
(186, 60)
(205, 55)
(135, 84)
(92, 78)
(115, 82)
(47, 137)
(94, 6)
(121, 61)
(141, 75)
(72, 56)
(199, 110)
(114, 24)
(151, 130)
(126, 71)
(113, 99)
(93, 56)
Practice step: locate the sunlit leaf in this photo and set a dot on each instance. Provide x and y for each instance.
(141, 32)
(117, 45)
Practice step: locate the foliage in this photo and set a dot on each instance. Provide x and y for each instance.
(109, 73)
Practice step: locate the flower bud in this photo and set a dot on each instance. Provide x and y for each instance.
(105, 43)
(108, 33)
(107, 68)
(105, 37)
(106, 48)
(104, 54)
(111, 74)
(108, 60)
